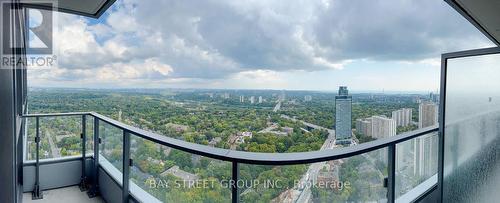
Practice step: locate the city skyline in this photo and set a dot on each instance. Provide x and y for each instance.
(333, 90)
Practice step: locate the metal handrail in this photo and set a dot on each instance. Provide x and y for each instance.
(55, 114)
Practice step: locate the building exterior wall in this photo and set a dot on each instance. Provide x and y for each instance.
(383, 127)
(364, 126)
(425, 155)
(343, 117)
(12, 106)
(402, 116)
(427, 114)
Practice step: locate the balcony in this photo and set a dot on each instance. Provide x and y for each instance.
(117, 162)
(109, 161)
(114, 142)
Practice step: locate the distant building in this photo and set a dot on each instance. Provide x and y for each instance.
(288, 130)
(402, 116)
(214, 141)
(329, 175)
(240, 137)
(308, 98)
(177, 127)
(226, 95)
(364, 126)
(260, 99)
(120, 115)
(242, 99)
(343, 110)
(427, 114)
(434, 98)
(425, 155)
(252, 99)
(383, 127)
(179, 173)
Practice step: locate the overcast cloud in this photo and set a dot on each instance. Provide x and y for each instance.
(210, 41)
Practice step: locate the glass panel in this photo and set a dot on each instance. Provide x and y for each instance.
(471, 151)
(172, 175)
(90, 135)
(111, 147)
(60, 136)
(416, 161)
(355, 179)
(30, 140)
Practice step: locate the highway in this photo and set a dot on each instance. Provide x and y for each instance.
(312, 173)
(307, 180)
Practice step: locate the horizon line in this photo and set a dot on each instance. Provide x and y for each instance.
(235, 89)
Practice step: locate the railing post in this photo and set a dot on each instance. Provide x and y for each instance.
(126, 166)
(37, 192)
(94, 191)
(391, 172)
(83, 180)
(234, 186)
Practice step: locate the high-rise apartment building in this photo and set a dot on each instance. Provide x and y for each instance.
(364, 126)
(434, 97)
(260, 99)
(308, 98)
(383, 127)
(343, 110)
(252, 99)
(425, 155)
(403, 117)
(425, 147)
(427, 114)
(242, 99)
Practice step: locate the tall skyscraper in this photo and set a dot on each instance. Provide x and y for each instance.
(242, 99)
(260, 99)
(343, 110)
(402, 116)
(252, 99)
(427, 114)
(383, 127)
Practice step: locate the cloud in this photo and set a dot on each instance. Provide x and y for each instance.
(215, 40)
(150, 70)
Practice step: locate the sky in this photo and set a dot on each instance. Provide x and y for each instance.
(368, 45)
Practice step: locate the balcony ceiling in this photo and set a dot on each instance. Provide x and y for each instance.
(484, 14)
(89, 8)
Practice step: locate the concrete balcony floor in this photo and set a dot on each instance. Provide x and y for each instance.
(63, 195)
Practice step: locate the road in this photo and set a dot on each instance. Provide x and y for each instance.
(277, 107)
(53, 148)
(314, 126)
(312, 172)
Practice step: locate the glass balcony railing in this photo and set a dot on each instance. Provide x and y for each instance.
(152, 167)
